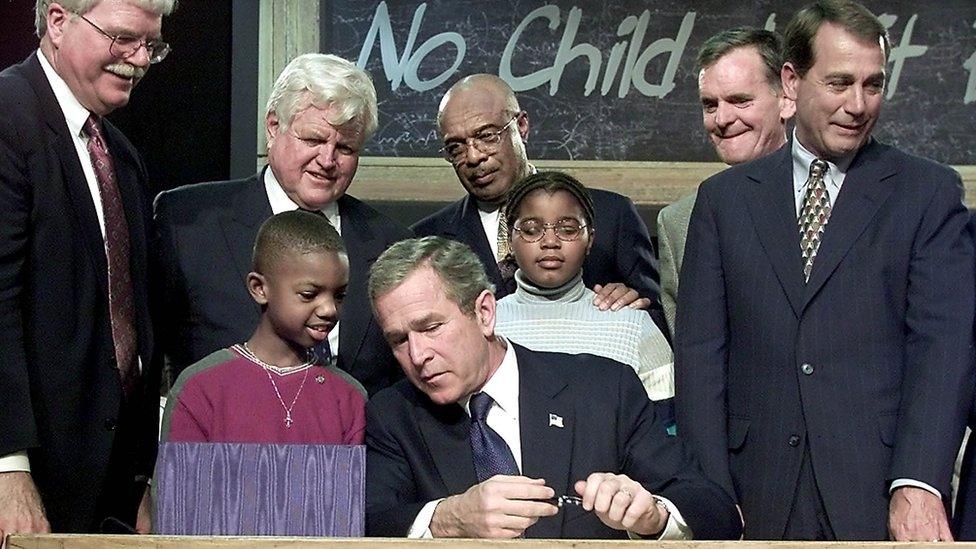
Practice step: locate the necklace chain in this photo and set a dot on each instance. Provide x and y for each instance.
(268, 368)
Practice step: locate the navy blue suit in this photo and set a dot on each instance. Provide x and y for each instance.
(418, 451)
(206, 236)
(868, 366)
(621, 252)
(60, 394)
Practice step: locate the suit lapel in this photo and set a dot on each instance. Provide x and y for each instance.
(63, 148)
(250, 209)
(546, 446)
(363, 246)
(863, 193)
(470, 230)
(773, 211)
(445, 430)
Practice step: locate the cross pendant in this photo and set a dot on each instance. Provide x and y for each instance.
(288, 420)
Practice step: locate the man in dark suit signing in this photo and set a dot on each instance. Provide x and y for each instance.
(483, 437)
(78, 406)
(484, 132)
(320, 112)
(824, 340)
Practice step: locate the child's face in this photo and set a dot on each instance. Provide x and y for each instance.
(302, 295)
(550, 262)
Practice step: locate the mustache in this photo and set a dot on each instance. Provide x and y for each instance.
(126, 70)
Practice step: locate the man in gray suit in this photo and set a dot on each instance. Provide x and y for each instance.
(744, 112)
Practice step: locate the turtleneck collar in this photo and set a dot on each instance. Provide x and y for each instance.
(527, 292)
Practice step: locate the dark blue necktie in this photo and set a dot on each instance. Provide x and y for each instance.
(491, 455)
(323, 353)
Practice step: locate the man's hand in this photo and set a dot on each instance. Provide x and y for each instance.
(622, 504)
(915, 514)
(500, 507)
(144, 514)
(616, 296)
(21, 510)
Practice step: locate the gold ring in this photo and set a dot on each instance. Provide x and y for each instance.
(627, 491)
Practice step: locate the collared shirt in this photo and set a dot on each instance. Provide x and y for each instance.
(280, 202)
(503, 418)
(489, 215)
(833, 177)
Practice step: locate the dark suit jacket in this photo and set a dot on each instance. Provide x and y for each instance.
(964, 517)
(418, 451)
(870, 363)
(206, 235)
(621, 252)
(60, 394)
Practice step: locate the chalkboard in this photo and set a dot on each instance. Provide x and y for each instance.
(616, 80)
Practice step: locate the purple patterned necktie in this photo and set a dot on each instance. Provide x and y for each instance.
(492, 456)
(813, 215)
(120, 301)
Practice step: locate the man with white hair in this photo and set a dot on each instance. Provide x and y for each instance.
(320, 112)
(77, 417)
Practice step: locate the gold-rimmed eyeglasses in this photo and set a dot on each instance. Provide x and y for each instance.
(567, 230)
(124, 46)
(486, 141)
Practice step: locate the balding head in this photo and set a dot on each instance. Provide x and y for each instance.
(482, 108)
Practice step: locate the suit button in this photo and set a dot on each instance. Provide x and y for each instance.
(109, 424)
(806, 368)
(794, 441)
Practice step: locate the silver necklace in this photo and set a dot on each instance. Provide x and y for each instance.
(267, 370)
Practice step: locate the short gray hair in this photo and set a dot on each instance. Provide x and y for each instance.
(327, 82)
(81, 7)
(458, 267)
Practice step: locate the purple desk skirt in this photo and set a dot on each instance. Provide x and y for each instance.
(259, 489)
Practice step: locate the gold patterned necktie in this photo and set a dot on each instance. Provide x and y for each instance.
(813, 215)
(506, 264)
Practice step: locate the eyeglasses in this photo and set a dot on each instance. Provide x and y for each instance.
(486, 141)
(567, 230)
(124, 46)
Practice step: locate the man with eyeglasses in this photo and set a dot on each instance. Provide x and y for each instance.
(484, 132)
(78, 408)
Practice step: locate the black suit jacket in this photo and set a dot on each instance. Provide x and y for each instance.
(621, 252)
(60, 394)
(869, 364)
(418, 451)
(206, 236)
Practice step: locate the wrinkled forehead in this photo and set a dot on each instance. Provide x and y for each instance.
(466, 111)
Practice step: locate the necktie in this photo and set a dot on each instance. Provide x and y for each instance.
(813, 216)
(506, 264)
(120, 301)
(491, 455)
(323, 353)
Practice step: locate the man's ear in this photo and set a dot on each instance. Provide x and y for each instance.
(257, 286)
(523, 126)
(484, 310)
(271, 125)
(790, 78)
(56, 18)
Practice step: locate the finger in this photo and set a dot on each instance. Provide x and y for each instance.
(528, 510)
(643, 504)
(517, 479)
(522, 491)
(604, 496)
(619, 504)
(590, 488)
(642, 304)
(624, 299)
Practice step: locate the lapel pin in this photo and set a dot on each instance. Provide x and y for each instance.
(320, 379)
(555, 421)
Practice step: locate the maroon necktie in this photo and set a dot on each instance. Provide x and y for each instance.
(121, 308)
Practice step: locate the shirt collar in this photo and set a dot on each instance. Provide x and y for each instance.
(75, 114)
(503, 385)
(802, 158)
(280, 201)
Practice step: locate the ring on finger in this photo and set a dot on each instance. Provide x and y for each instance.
(627, 492)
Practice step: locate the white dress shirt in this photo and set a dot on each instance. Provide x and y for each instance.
(503, 418)
(489, 222)
(280, 202)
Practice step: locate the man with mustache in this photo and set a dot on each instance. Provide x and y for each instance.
(484, 132)
(825, 329)
(744, 112)
(78, 406)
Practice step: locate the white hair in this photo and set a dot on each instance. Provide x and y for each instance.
(81, 7)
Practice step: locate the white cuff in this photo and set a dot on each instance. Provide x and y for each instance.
(16, 461)
(420, 529)
(676, 527)
(902, 482)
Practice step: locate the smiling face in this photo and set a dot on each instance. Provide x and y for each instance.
(81, 55)
(550, 262)
(313, 161)
(471, 111)
(301, 296)
(838, 100)
(742, 112)
(443, 351)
